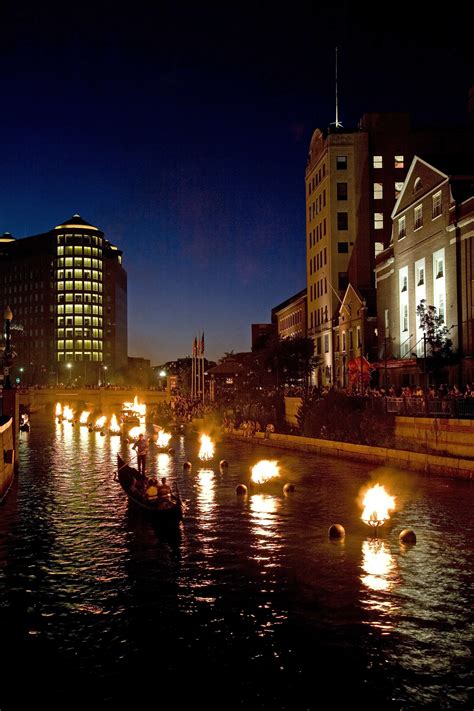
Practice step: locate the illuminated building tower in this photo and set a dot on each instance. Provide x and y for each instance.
(66, 310)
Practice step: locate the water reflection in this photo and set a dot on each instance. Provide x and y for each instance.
(380, 578)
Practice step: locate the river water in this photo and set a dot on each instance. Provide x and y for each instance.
(247, 604)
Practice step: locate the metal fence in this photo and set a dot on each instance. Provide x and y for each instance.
(421, 407)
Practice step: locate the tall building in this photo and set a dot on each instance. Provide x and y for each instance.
(353, 178)
(68, 293)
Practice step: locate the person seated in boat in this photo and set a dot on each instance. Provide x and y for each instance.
(164, 491)
(151, 490)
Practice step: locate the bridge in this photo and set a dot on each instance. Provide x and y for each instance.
(103, 400)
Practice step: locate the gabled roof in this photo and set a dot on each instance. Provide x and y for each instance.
(431, 178)
(76, 221)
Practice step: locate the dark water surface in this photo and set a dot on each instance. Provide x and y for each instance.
(247, 604)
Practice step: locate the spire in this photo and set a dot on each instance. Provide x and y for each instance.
(337, 123)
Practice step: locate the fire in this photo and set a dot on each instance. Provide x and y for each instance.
(207, 448)
(264, 471)
(135, 406)
(377, 503)
(84, 417)
(135, 431)
(68, 413)
(114, 425)
(100, 422)
(163, 439)
(59, 410)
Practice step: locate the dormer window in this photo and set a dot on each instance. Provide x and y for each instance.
(417, 185)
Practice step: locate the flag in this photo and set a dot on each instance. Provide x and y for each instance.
(202, 344)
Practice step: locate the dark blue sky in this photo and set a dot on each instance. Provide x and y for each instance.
(182, 131)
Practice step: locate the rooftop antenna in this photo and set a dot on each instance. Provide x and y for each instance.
(337, 123)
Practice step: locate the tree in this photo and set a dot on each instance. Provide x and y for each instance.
(438, 346)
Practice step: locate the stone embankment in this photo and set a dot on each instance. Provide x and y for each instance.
(447, 466)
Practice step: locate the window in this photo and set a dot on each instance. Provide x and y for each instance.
(398, 188)
(378, 220)
(402, 227)
(418, 216)
(343, 340)
(326, 344)
(399, 161)
(405, 317)
(377, 161)
(341, 162)
(439, 268)
(404, 282)
(343, 247)
(378, 248)
(437, 206)
(417, 185)
(378, 191)
(342, 191)
(420, 276)
(342, 221)
(342, 281)
(359, 341)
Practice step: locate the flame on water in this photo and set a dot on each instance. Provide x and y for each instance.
(135, 431)
(207, 448)
(84, 417)
(135, 406)
(68, 413)
(100, 422)
(114, 425)
(59, 410)
(163, 439)
(264, 471)
(377, 503)
(379, 565)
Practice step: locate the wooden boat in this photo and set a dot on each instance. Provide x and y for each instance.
(162, 510)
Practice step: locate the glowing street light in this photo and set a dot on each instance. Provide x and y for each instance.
(69, 366)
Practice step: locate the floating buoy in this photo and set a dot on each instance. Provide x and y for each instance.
(187, 466)
(336, 531)
(171, 451)
(407, 537)
(223, 463)
(241, 490)
(288, 487)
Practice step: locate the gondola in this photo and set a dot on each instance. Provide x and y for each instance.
(163, 511)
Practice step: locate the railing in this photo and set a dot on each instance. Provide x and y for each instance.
(420, 407)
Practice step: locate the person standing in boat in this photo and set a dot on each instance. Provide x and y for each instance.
(141, 445)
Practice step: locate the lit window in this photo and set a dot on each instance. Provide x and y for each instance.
(378, 162)
(404, 283)
(420, 276)
(87, 286)
(341, 162)
(405, 317)
(399, 161)
(378, 248)
(418, 213)
(60, 345)
(60, 286)
(437, 206)
(378, 220)
(378, 191)
(439, 268)
(398, 188)
(402, 227)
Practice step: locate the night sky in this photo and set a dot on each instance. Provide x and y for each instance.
(182, 131)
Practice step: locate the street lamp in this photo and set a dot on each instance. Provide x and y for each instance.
(69, 366)
(105, 374)
(7, 355)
